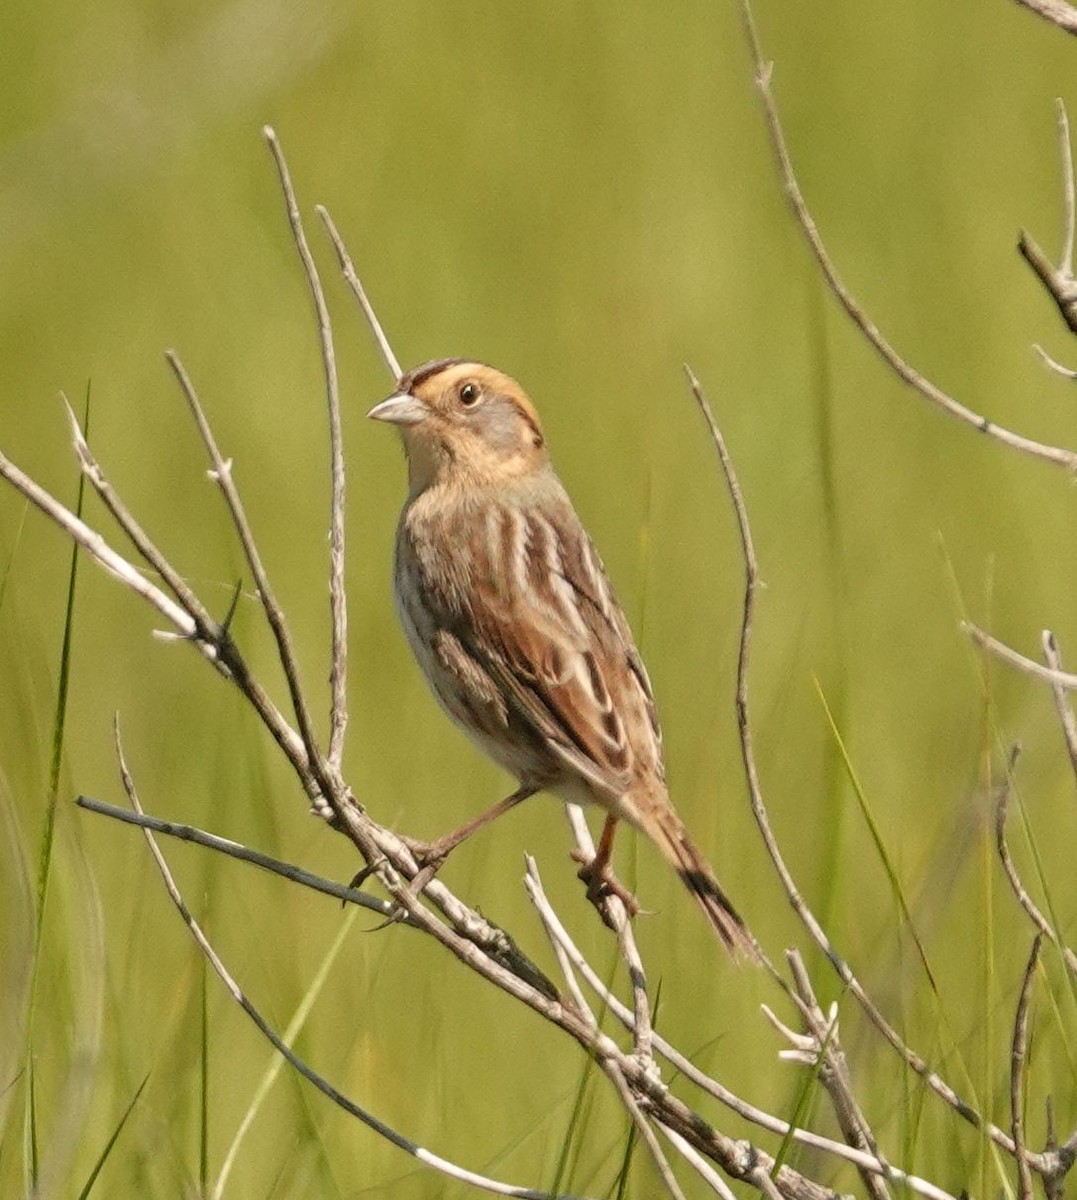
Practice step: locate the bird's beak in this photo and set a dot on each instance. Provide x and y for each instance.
(400, 409)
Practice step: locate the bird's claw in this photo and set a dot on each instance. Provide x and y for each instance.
(602, 882)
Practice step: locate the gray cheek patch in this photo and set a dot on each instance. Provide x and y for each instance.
(501, 424)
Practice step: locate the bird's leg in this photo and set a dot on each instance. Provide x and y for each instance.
(431, 855)
(598, 873)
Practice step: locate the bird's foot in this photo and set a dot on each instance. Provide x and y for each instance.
(603, 883)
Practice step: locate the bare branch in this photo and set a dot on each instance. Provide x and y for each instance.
(338, 600)
(1060, 285)
(420, 1153)
(1062, 704)
(650, 1139)
(1053, 363)
(1032, 911)
(804, 218)
(1014, 658)
(102, 553)
(356, 286)
(199, 837)
(1018, 1071)
(616, 917)
(1058, 12)
(835, 1077)
(706, 1172)
(222, 475)
(759, 809)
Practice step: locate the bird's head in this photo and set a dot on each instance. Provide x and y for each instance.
(464, 423)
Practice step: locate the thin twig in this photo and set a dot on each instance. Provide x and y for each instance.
(615, 915)
(1053, 363)
(535, 890)
(356, 286)
(199, 837)
(650, 1139)
(420, 1153)
(1062, 704)
(1059, 281)
(138, 537)
(222, 475)
(338, 600)
(706, 1172)
(1018, 1072)
(1032, 911)
(759, 808)
(1058, 12)
(836, 1078)
(723, 1095)
(1069, 190)
(1015, 658)
(804, 218)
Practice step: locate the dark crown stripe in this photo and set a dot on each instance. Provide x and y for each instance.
(412, 379)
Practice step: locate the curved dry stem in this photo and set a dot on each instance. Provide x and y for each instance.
(222, 474)
(416, 1151)
(354, 282)
(1032, 910)
(338, 599)
(907, 373)
(1062, 704)
(1019, 1069)
(1058, 12)
(759, 810)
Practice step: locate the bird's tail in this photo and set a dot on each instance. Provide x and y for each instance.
(679, 849)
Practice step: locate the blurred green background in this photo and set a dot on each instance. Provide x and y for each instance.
(583, 195)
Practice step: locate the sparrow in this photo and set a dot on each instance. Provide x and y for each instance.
(510, 614)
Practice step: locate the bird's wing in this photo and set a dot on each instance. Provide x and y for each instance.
(545, 625)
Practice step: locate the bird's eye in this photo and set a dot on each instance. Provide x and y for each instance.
(469, 394)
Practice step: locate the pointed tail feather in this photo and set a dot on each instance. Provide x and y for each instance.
(673, 840)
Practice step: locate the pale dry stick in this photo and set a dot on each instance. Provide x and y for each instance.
(533, 885)
(1058, 12)
(420, 1153)
(1062, 679)
(696, 1160)
(836, 1079)
(338, 599)
(616, 916)
(103, 554)
(200, 837)
(1069, 187)
(1058, 282)
(1062, 704)
(1053, 363)
(684, 1065)
(804, 218)
(650, 1138)
(220, 653)
(208, 628)
(1032, 910)
(222, 475)
(759, 808)
(1019, 1070)
(356, 285)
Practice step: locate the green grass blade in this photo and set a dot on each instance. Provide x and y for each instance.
(803, 1100)
(107, 1150)
(203, 1099)
(60, 716)
(6, 575)
(295, 1025)
(876, 835)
